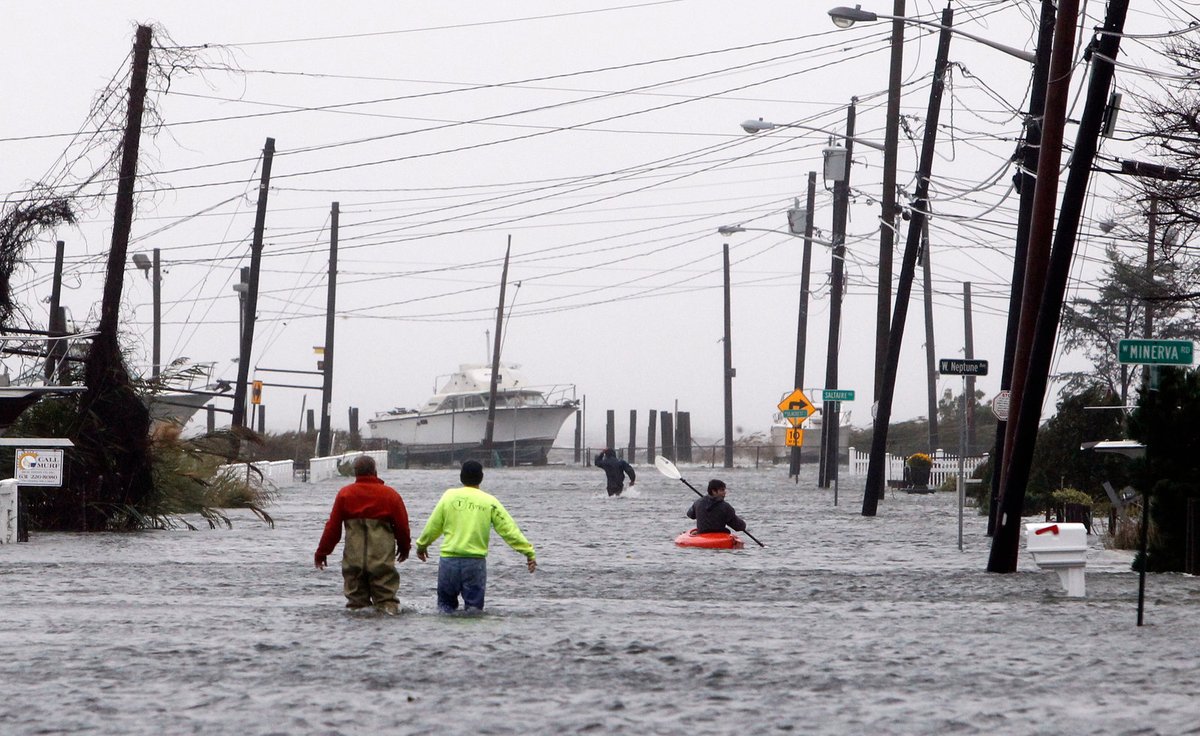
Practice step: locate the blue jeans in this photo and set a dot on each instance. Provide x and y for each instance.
(465, 576)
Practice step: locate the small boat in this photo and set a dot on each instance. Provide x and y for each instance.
(452, 424)
(709, 540)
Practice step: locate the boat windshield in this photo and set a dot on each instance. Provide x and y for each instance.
(461, 402)
(504, 399)
(518, 399)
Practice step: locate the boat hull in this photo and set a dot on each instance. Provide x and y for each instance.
(709, 540)
(14, 400)
(520, 436)
(176, 407)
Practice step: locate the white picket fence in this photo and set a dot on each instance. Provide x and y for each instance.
(945, 465)
(276, 472)
(324, 468)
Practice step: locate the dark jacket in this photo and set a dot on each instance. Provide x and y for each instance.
(615, 468)
(713, 514)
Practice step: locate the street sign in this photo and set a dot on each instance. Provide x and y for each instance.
(1155, 352)
(38, 467)
(833, 394)
(962, 367)
(1000, 405)
(795, 437)
(792, 406)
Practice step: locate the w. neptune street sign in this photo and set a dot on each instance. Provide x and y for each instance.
(1155, 352)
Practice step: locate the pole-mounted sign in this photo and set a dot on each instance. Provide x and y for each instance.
(962, 367)
(1155, 352)
(796, 408)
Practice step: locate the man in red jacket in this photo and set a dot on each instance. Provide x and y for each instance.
(376, 534)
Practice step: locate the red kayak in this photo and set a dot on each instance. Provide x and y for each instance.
(709, 540)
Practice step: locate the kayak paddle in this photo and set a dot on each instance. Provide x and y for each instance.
(667, 468)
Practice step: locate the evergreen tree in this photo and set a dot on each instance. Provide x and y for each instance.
(1165, 421)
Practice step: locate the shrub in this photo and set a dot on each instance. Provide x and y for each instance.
(1064, 496)
(919, 460)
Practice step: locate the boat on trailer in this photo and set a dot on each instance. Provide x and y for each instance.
(451, 425)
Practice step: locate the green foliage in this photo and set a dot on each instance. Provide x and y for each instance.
(919, 460)
(183, 474)
(1094, 326)
(1165, 421)
(1058, 461)
(297, 446)
(905, 438)
(1064, 496)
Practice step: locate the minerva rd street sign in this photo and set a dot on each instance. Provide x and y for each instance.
(1155, 352)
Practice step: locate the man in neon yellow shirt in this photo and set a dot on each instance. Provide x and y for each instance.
(467, 516)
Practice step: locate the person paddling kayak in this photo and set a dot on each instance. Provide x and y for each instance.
(713, 513)
(615, 469)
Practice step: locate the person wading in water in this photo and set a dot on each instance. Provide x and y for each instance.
(615, 469)
(377, 535)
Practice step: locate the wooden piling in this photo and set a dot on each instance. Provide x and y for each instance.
(650, 436)
(668, 435)
(632, 435)
(683, 436)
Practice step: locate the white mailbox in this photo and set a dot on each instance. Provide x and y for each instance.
(1062, 548)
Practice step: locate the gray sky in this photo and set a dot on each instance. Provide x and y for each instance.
(603, 137)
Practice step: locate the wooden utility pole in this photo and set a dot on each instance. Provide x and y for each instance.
(810, 202)
(931, 374)
(156, 340)
(831, 413)
(969, 381)
(1022, 436)
(490, 430)
(887, 202)
(114, 280)
(251, 303)
(324, 438)
(729, 372)
(1045, 204)
(1152, 223)
(115, 424)
(920, 206)
(1026, 182)
(53, 349)
(610, 430)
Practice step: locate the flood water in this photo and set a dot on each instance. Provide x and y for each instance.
(841, 625)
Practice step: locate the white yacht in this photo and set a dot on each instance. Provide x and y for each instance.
(451, 425)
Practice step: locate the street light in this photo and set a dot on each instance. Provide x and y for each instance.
(837, 170)
(732, 229)
(758, 126)
(844, 17)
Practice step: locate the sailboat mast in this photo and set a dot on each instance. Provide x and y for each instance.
(489, 432)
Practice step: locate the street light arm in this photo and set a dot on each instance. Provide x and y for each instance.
(844, 17)
(757, 126)
(733, 229)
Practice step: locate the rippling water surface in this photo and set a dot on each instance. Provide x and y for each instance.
(842, 624)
